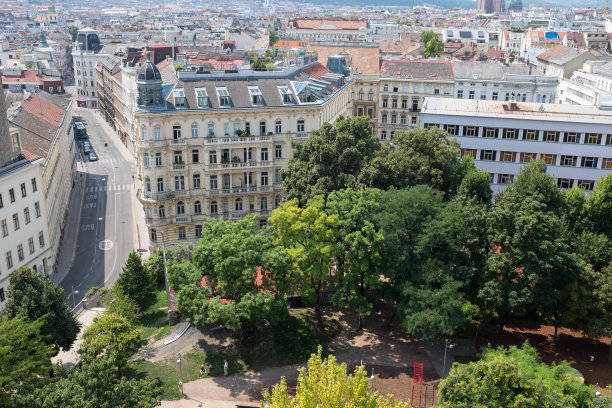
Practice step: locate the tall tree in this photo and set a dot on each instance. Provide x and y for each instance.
(432, 45)
(426, 156)
(599, 206)
(325, 383)
(476, 184)
(245, 276)
(334, 158)
(513, 378)
(135, 282)
(273, 37)
(25, 356)
(574, 210)
(360, 239)
(309, 237)
(33, 295)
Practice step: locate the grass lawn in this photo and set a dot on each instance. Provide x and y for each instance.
(153, 322)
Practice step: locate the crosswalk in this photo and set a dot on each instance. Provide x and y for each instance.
(109, 187)
(108, 161)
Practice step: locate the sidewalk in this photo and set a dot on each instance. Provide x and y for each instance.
(71, 357)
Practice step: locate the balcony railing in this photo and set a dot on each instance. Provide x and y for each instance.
(236, 140)
(155, 196)
(178, 166)
(177, 142)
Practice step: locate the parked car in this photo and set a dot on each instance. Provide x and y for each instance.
(86, 144)
(86, 149)
(92, 156)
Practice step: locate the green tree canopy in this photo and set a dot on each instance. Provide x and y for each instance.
(599, 206)
(309, 237)
(476, 184)
(273, 37)
(25, 356)
(326, 384)
(135, 281)
(33, 295)
(513, 378)
(432, 45)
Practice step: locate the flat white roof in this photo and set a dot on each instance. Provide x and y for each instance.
(524, 110)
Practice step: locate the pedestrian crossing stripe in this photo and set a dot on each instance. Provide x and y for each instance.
(110, 187)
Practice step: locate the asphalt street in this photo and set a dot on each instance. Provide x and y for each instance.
(107, 228)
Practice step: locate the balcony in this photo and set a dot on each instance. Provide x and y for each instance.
(240, 165)
(236, 140)
(177, 142)
(183, 219)
(178, 167)
(148, 196)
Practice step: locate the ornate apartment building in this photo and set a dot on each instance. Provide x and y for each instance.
(212, 146)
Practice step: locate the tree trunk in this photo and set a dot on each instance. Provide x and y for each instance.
(362, 291)
(555, 335)
(390, 319)
(320, 326)
(500, 327)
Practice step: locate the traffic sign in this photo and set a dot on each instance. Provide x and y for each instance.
(141, 250)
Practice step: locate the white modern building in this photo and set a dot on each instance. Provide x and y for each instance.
(575, 141)
(591, 85)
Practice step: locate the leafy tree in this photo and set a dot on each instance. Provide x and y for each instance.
(513, 378)
(594, 248)
(360, 239)
(599, 206)
(120, 304)
(336, 157)
(432, 45)
(273, 37)
(246, 276)
(25, 356)
(112, 336)
(309, 237)
(155, 266)
(602, 402)
(574, 211)
(426, 156)
(33, 295)
(476, 184)
(73, 30)
(97, 384)
(325, 383)
(529, 265)
(135, 282)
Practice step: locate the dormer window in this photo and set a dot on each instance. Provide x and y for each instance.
(286, 95)
(179, 98)
(256, 96)
(202, 96)
(224, 97)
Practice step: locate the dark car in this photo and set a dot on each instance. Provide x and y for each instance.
(86, 149)
(92, 156)
(80, 130)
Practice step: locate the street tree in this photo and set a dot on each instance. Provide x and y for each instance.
(274, 37)
(155, 266)
(427, 157)
(599, 206)
(135, 282)
(327, 384)
(432, 45)
(97, 384)
(25, 355)
(238, 277)
(476, 184)
(359, 251)
(513, 378)
(574, 210)
(334, 158)
(308, 235)
(33, 295)
(112, 336)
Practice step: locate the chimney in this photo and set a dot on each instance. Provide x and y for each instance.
(10, 151)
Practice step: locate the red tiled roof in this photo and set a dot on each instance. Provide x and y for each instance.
(317, 70)
(553, 52)
(44, 109)
(29, 155)
(26, 76)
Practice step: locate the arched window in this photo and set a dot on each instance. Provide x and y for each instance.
(162, 211)
(239, 204)
(213, 207)
(197, 207)
(180, 208)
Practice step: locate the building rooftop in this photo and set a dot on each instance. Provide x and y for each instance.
(516, 110)
(561, 54)
(417, 69)
(487, 70)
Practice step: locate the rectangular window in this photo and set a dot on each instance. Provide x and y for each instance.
(413, 120)
(202, 96)
(589, 162)
(606, 163)
(179, 183)
(550, 159)
(41, 239)
(158, 159)
(211, 129)
(12, 195)
(384, 118)
(395, 88)
(194, 131)
(224, 98)
(4, 228)
(157, 133)
(160, 185)
(510, 134)
(264, 154)
(386, 88)
(176, 132)
(460, 94)
(495, 96)
(300, 126)
(507, 156)
(182, 233)
(2, 297)
(143, 133)
(178, 157)
(26, 214)
(504, 178)
(212, 157)
(491, 132)
(568, 160)
(31, 245)
(592, 138)
(488, 154)
(394, 103)
(179, 98)
(404, 103)
(9, 260)
(530, 135)
(16, 221)
(20, 255)
(471, 95)
(570, 137)
(278, 127)
(393, 119)
(196, 181)
(1, 202)
(527, 157)
(415, 89)
(550, 136)
(452, 129)
(256, 96)
(37, 209)
(264, 178)
(213, 183)
(564, 183)
(34, 187)
(483, 95)
(468, 152)
(403, 119)
(385, 103)
(198, 231)
(383, 135)
(277, 176)
(278, 152)
(470, 131)
(585, 184)
(145, 160)
(195, 156)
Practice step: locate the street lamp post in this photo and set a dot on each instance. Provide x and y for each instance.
(446, 347)
(74, 292)
(372, 383)
(180, 363)
(166, 275)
